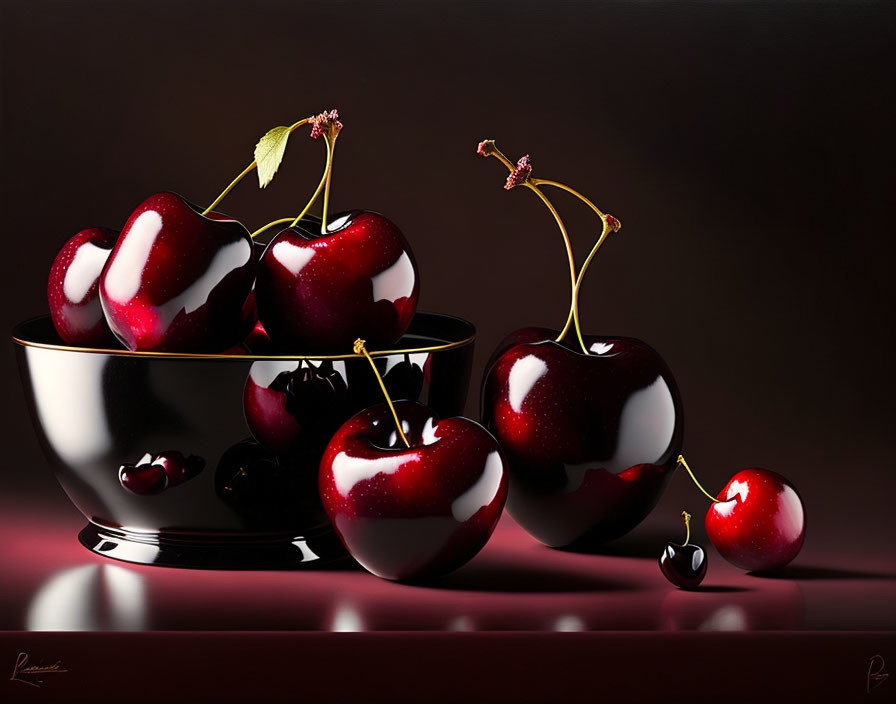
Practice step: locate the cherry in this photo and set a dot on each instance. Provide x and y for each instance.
(178, 278)
(410, 495)
(591, 427)
(757, 522)
(73, 289)
(320, 284)
(155, 472)
(684, 565)
(290, 404)
(317, 291)
(591, 440)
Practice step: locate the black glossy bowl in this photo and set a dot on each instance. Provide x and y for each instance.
(236, 503)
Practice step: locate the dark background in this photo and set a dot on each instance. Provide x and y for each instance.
(747, 148)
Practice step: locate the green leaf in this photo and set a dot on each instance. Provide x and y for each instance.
(269, 153)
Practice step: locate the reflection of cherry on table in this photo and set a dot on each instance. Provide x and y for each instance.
(521, 622)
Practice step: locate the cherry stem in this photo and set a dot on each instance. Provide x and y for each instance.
(687, 526)
(330, 138)
(320, 185)
(569, 256)
(499, 155)
(574, 307)
(609, 224)
(360, 349)
(248, 170)
(683, 463)
(270, 225)
(557, 184)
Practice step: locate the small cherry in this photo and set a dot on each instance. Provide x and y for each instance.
(155, 472)
(73, 289)
(757, 522)
(410, 495)
(684, 565)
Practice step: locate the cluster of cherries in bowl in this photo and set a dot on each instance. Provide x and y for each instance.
(578, 438)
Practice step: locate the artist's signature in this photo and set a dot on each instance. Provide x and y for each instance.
(33, 674)
(876, 673)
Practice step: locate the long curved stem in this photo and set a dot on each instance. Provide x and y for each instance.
(331, 147)
(316, 194)
(359, 348)
(578, 284)
(248, 170)
(684, 464)
(563, 186)
(569, 255)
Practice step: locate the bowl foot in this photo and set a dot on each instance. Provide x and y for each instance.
(316, 550)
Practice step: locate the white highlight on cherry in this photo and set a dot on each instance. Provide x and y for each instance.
(229, 257)
(348, 470)
(395, 282)
(125, 274)
(293, 258)
(84, 269)
(482, 493)
(601, 347)
(524, 373)
(646, 426)
(264, 373)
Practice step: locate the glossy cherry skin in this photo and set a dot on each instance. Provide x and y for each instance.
(412, 513)
(591, 441)
(759, 522)
(321, 292)
(683, 565)
(155, 472)
(291, 404)
(73, 289)
(177, 280)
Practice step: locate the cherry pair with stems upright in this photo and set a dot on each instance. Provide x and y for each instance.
(179, 278)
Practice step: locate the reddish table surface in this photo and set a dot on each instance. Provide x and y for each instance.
(521, 622)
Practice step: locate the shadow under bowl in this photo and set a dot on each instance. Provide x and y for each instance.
(227, 500)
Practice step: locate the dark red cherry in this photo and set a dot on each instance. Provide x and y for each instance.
(177, 280)
(412, 512)
(591, 440)
(73, 289)
(155, 472)
(683, 565)
(143, 477)
(266, 491)
(320, 292)
(289, 405)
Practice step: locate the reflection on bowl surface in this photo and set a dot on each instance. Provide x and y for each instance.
(256, 500)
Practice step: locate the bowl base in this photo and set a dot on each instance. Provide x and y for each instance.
(318, 550)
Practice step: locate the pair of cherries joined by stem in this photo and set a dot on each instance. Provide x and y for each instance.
(179, 278)
(757, 523)
(593, 430)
